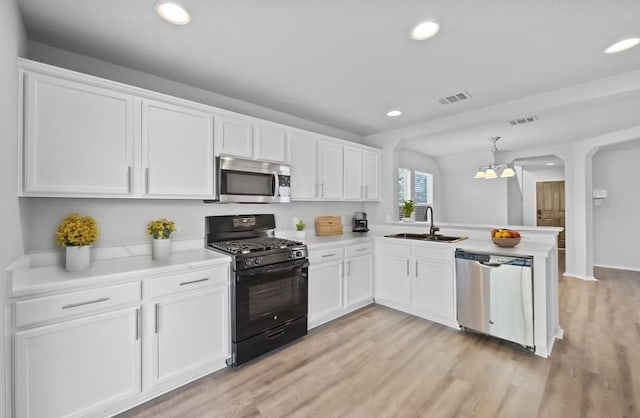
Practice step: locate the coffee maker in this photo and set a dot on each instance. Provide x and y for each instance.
(360, 222)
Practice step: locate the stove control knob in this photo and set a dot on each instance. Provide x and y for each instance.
(258, 260)
(248, 262)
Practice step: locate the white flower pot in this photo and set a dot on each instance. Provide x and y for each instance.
(160, 248)
(78, 258)
(412, 218)
(299, 234)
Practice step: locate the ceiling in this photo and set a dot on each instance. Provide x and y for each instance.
(346, 63)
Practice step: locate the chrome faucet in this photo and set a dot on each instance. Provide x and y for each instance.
(433, 229)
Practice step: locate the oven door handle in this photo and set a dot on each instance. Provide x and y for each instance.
(272, 269)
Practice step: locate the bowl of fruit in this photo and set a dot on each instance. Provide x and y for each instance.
(505, 237)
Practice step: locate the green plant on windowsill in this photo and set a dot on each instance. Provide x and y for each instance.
(407, 208)
(300, 225)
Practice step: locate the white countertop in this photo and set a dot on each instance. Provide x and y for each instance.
(314, 241)
(481, 227)
(23, 280)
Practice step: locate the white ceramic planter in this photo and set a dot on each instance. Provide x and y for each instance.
(412, 218)
(299, 234)
(160, 248)
(78, 258)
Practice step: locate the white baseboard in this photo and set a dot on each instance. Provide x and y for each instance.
(581, 277)
(607, 266)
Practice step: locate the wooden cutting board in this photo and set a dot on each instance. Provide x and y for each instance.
(328, 225)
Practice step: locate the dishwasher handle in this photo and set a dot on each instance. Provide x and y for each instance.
(489, 264)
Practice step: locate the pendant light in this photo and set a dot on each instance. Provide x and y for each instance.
(493, 170)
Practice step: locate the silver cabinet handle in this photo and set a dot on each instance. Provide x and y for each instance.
(366, 192)
(407, 267)
(328, 255)
(138, 323)
(194, 281)
(157, 325)
(322, 186)
(146, 179)
(89, 302)
(130, 178)
(361, 249)
(348, 268)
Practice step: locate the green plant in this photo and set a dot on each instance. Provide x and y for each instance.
(161, 228)
(300, 225)
(407, 208)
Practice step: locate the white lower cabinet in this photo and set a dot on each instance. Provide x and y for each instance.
(339, 285)
(190, 331)
(325, 292)
(416, 279)
(76, 367)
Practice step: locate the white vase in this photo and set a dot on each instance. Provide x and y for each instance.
(160, 248)
(299, 234)
(78, 258)
(409, 219)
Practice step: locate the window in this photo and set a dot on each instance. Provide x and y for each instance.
(416, 186)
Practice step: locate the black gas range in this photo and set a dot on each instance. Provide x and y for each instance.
(269, 283)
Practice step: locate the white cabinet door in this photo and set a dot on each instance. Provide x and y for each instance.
(270, 144)
(234, 136)
(393, 281)
(191, 331)
(76, 367)
(358, 277)
(177, 150)
(304, 166)
(353, 186)
(371, 176)
(331, 170)
(78, 139)
(325, 292)
(433, 290)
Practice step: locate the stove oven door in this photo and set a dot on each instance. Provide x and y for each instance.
(268, 297)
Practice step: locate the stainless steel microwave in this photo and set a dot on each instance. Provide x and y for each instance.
(250, 181)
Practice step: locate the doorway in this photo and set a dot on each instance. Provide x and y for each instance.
(550, 208)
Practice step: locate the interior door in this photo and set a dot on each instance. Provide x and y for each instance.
(550, 206)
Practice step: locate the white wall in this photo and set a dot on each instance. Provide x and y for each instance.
(530, 176)
(13, 43)
(99, 68)
(616, 224)
(468, 200)
(124, 221)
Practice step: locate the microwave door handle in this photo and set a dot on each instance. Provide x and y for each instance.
(276, 184)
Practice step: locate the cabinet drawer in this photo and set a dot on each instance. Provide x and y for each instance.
(396, 250)
(62, 306)
(170, 285)
(359, 249)
(327, 254)
(442, 255)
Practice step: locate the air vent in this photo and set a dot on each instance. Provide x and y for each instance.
(458, 97)
(522, 121)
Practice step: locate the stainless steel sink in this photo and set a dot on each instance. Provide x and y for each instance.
(426, 237)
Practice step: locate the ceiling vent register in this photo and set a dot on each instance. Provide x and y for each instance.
(456, 98)
(522, 121)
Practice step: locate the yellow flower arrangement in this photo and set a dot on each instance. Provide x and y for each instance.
(161, 228)
(77, 231)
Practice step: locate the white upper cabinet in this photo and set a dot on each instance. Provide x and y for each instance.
(243, 137)
(270, 144)
(371, 175)
(330, 170)
(234, 136)
(353, 185)
(78, 138)
(304, 166)
(177, 150)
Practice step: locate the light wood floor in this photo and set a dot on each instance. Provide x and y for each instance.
(379, 362)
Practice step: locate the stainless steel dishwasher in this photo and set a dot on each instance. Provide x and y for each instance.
(495, 295)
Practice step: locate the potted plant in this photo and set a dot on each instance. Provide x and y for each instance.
(300, 233)
(76, 234)
(160, 231)
(408, 207)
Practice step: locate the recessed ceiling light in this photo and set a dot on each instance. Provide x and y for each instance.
(172, 13)
(425, 30)
(394, 113)
(622, 45)
(550, 164)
